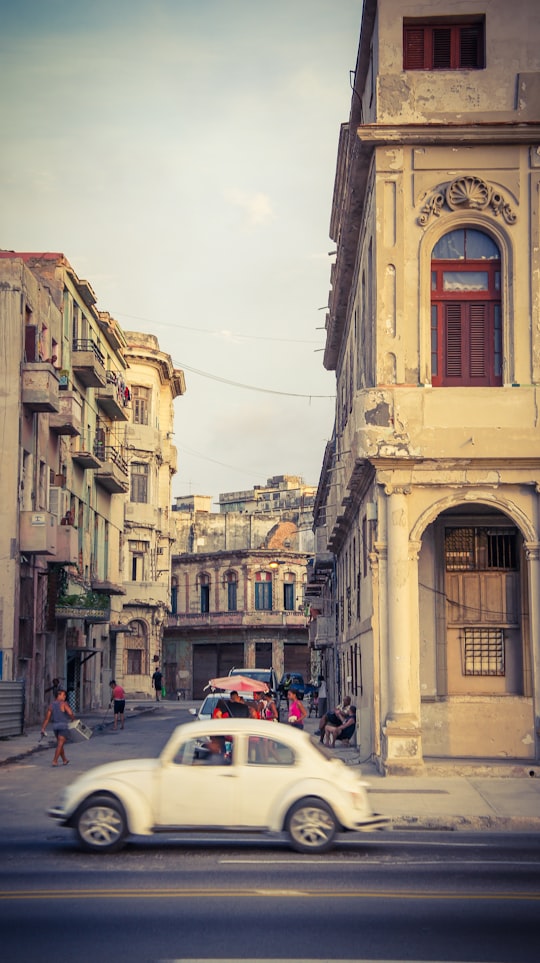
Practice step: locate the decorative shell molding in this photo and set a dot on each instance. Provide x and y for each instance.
(467, 193)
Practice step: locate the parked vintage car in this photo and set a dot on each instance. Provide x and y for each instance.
(233, 774)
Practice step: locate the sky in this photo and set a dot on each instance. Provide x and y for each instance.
(181, 154)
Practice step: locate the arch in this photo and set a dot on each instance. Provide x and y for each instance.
(491, 500)
(501, 236)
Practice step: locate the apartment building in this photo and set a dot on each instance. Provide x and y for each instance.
(73, 434)
(149, 532)
(64, 470)
(427, 567)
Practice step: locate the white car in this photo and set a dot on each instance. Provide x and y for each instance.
(208, 705)
(226, 774)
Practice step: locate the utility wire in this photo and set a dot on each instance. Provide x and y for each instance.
(213, 331)
(237, 384)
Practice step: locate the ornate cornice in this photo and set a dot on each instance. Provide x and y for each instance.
(466, 193)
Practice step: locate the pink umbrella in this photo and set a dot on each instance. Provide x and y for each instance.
(238, 683)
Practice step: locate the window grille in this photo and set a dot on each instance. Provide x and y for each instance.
(480, 549)
(483, 652)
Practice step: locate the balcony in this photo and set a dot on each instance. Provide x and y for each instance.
(38, 533)
(322, 632)
(83, 454)
(68, 420)
(40, 387)
(67, 545)
(217, 621)
(113, 399)
(91, 607)
(105, 587)
(146, 594)
(88, 364)
(112, 473)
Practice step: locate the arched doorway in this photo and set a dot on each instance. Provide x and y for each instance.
(475, 659)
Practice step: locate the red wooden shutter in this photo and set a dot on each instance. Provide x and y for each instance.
(414, 48)
(471, 54)
(454, 340)
(477, 341)
(442, 48)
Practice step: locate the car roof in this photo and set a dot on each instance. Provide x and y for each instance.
(257, 727)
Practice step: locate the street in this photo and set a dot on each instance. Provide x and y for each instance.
(394, 895)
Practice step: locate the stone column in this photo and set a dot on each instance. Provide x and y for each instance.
(532, 554)
(401, 744)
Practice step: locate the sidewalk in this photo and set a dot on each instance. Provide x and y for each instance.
(487, 795)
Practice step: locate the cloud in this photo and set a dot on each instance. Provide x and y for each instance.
(256, 206)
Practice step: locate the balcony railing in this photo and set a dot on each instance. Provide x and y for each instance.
(89, 364)
(112, 473)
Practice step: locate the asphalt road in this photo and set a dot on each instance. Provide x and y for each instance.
(381, 896)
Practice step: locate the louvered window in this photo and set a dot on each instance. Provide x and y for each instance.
(443, 46)
(466, 326)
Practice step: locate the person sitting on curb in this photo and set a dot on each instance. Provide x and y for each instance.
(344, 732)
(335, 718)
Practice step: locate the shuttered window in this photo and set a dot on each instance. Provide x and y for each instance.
(466, 332)
(443, 46)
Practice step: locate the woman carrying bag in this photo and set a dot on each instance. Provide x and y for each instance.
(61, 713)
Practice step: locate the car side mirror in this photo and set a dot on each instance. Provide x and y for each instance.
(192, 712)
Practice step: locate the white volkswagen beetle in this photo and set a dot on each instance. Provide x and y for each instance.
(227, 774)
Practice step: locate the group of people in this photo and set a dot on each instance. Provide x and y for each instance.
(261, 706)
(338, 725)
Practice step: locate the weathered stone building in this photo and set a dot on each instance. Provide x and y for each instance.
(238, 579)
(154, 383)
(427, 516)
(79, 442)
(63, 476)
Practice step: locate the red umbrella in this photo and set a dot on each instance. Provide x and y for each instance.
(238, 683)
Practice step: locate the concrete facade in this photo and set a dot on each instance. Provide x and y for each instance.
(67, 592)
(148, 528)
(63, 471)
(426, 576)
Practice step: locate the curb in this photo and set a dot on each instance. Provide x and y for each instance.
(495, 824)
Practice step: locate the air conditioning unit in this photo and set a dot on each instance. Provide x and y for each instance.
(59, 500)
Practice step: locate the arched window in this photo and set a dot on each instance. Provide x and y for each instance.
(466, 329)
(136, 649)
(231, 581)
(289, 592)
(263, 591)
(204, 586)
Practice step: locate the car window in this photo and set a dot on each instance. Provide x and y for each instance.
(208, 750)
(264, 751)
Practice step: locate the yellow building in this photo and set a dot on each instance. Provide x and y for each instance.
(154, 383)
(427, 515)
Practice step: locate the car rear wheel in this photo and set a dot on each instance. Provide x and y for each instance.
(101, 825)
(311, 826)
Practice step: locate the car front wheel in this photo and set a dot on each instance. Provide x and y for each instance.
(311, 826)
(101, 825)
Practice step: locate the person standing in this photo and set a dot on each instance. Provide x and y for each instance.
(118, 696)
(60, 713)
(157, 682)
(297, 710)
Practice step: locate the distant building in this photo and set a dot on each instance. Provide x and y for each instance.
(238, 580)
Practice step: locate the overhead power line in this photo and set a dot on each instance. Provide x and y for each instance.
(214, 331)
(238, 384)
